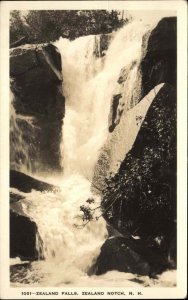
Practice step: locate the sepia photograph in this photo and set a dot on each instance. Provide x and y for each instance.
(92, 156)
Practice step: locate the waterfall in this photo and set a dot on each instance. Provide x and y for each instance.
(89, 83)
(21, 147)
(85, 122)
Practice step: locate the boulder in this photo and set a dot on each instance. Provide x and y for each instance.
(23, 234)
(36, 83)
(27, 183)
(41, 64)
(141, 197)
(131, 256)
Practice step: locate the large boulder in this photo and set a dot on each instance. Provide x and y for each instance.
(141, 197)
(36, 83)
(23, 237)
(131, 256)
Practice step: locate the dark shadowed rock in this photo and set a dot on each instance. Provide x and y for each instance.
(131, 256)
(159, 63)
(105, 40)
(114, 112)
(115, 255)
(37, 62)
(27, 183)
(37, 87)
(102, 42)
(19, 42)
(144, 190)
(15, 197)
(22, 237)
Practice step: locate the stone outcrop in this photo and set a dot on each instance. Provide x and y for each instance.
(36, 83)
(131, 256)
(26, 183)
(158, 65)
(136, 80)
(22, 237)
(141, 197)
(160, 61)
(36, 62)
(36, 120)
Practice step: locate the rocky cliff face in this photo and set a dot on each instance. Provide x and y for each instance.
(145, 185)
(37, 111)
(35, 71)
(157, 65)
(140, 200)
(139, 186)
(160, 61)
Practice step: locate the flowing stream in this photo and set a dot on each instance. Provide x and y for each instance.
(89, 81)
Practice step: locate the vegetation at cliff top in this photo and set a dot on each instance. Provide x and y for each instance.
(40, 26)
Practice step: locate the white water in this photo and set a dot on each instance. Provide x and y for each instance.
(89, 83)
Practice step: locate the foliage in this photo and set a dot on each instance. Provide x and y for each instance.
(87, 213)
(48, 25)
(17, 27)
(141, 198)
(144, 189)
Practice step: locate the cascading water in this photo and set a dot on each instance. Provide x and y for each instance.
(89, 81)
(21, 148)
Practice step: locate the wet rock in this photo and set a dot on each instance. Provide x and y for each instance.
(27, 183)
(125, 72)
(36, 83)
(102, 42)
(105, 40)
(114, 113)
(19, 272)
(22, 237)
(131, 256)
(25, 240)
